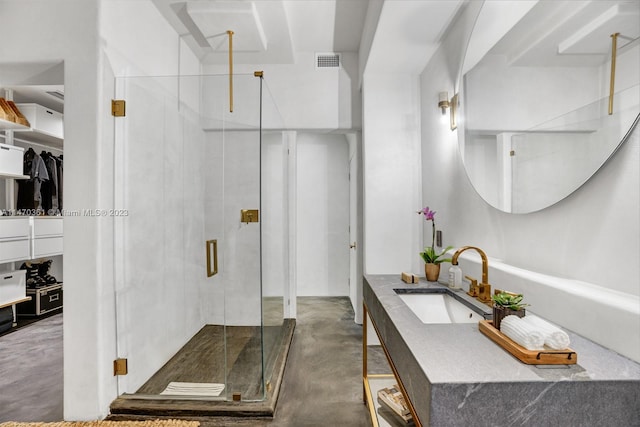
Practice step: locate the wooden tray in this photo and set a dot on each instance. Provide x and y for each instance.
(530, 357)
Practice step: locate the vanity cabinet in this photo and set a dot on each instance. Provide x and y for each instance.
(450, 371)
(373, 383)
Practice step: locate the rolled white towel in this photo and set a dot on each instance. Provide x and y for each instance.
(554, 337)
(522, 333)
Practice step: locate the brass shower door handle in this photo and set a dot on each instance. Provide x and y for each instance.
(353, 245)
(212, 249)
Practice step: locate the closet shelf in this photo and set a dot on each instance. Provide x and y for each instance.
(41, 137)
(12, 176)
(7, 304)
(7, 125)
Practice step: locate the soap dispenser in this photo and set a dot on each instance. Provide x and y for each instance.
(455, 277)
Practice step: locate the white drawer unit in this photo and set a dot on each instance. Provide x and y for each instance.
(44, 120)
(14, 239)
(46, 246)
(46, 236)
(47, 227)
(12, 286)
(23, 238)
(14, 228)
(11, 159)
(14, 250)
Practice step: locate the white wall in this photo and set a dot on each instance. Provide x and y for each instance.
(391, 163)
(159, 180)
(241, 241)
(72, 37)
(322, 215)
(131, 32)
(232, 181)
(569, 240)
(307, 98)
(159, 170)
(275, 222)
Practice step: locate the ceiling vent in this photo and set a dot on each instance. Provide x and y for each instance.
(327, 60)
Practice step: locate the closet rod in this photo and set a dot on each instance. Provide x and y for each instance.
(37, 144)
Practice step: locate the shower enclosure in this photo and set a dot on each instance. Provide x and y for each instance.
(201, 240)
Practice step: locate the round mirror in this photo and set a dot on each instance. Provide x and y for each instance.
(549, 90)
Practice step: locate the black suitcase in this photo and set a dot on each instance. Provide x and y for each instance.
(43, 300)
(6, 318)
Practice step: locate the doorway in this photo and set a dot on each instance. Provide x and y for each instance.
(322, 214)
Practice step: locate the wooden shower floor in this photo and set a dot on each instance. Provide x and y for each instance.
(202, 359)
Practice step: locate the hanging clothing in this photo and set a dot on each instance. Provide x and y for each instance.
(49, 188)
(59, 166)
(29, 191)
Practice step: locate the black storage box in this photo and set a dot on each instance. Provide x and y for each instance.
(43, 300)
(6, 318)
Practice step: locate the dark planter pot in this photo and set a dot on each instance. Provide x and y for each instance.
(500, 312)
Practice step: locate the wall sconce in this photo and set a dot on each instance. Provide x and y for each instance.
(443, 102)
(454, 112)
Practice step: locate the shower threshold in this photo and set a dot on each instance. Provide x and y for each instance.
(147, 403)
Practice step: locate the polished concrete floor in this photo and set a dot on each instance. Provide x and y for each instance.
(322, 383)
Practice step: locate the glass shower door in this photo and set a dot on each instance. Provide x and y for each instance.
(255, 251)
(185, 170)
(236, 140)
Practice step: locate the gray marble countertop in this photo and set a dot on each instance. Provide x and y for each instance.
(455, 374)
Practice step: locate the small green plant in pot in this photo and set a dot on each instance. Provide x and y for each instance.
(506, 304)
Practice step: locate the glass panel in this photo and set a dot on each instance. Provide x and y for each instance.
(159, 267)
(239, 141)
(185, 169)
(275, 237)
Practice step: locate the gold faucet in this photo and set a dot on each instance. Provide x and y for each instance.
(484, 288)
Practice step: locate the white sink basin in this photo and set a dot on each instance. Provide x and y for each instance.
(439, 308)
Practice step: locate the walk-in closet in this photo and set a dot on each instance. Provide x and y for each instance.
(31, 221)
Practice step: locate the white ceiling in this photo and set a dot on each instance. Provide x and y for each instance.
(272, 31)
(265, 31)
(408, 34)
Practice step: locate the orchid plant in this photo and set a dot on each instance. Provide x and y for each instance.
(429, 254)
